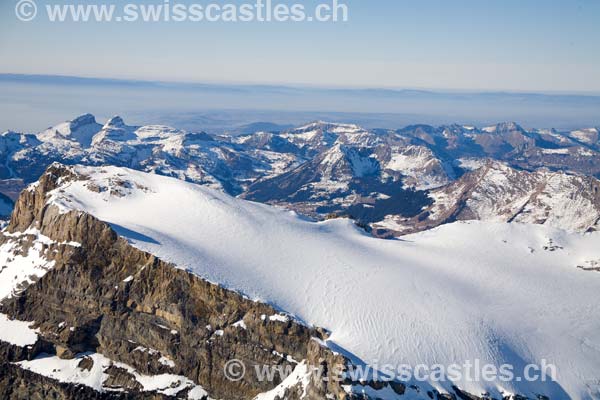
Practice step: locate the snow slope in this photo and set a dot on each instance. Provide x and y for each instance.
(466, 291)
(17, 271)
(69, 371)
(80, 130)
(18, 333)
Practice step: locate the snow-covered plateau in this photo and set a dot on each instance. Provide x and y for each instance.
(494, 292)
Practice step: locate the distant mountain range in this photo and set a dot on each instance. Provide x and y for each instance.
(392, 182)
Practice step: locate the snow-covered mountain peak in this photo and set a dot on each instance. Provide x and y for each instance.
(587, 135)
(114, 122)
(191, 138)
(12, 141)
(503, 128)
(85, 119)
(333, 164)
(321, 135)
(341, 163)
(418, 166)
(311, 125)
(79, 130)
(497, 192)
(157, 132)
(454, 130)
(509, 126)
(325, 125)
(429, 299)
(116, 130)
(344, 128)
(329, 127)
(174, 141)
(109, 183)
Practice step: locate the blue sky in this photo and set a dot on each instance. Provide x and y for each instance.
(463, 44)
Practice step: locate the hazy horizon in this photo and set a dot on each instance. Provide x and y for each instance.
(34, 102)
(287, 84)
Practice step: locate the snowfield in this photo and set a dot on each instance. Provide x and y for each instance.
(494, 292)
(69, 371)
(18, 333)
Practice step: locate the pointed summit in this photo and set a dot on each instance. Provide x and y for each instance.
(115, 122)
(115, 130)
